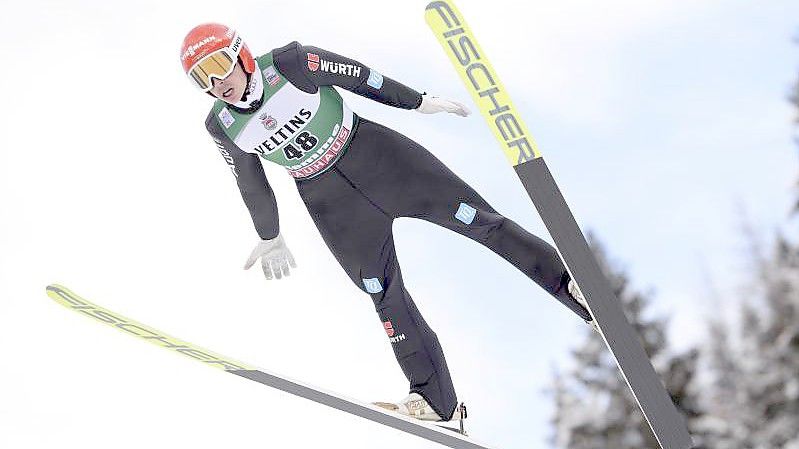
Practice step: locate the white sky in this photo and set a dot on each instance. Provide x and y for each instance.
(659, 119)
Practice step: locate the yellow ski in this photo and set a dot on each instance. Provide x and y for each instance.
(491, 97)
(444, 435)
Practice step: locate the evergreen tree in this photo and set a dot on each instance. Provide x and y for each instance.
(594, 406)
(721, 427)
(765, 369)
(740, 392)
(768, 388)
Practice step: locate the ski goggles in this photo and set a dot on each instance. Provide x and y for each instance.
(219, 65)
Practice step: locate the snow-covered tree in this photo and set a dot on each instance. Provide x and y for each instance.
(594, 407)
(720, 427)
(761, 376)
(756, 383)
(740, 391)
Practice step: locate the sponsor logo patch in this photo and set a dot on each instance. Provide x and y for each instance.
(465, 213)
(268, 121)
(389, 328)
(226, 118)
(392, 333)
(284, 133)
(270, 75)
(192, 49)
(327, 154)
(339, 68)
(375, 79)
(236, 44)
(313, 62)
(372, 285)
(397, 338)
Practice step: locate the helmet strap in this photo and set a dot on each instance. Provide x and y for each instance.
(249, 77)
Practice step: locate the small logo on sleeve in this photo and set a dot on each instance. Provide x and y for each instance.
(313, 62)
(316, 63)
(375, 79)
(226, 118)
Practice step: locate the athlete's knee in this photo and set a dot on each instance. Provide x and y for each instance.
(372, 285)
(380, 288)
(479, 223)
(376, 277)
(477, 215)
(466, 213)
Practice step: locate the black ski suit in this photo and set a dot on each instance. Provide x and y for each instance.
(383, 175)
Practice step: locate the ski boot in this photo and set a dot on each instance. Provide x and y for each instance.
(577, 295)
(415, 406)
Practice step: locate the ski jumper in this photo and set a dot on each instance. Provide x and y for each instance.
(355, 177)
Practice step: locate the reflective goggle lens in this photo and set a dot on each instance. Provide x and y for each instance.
(218, 64)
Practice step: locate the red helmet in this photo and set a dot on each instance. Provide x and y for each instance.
(211, 50)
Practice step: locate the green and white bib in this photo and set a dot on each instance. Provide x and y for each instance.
(305, 133)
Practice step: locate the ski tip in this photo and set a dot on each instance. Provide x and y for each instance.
(435, 11)
(64, 296)
(54, 289)
(437, 3)
(60, 294)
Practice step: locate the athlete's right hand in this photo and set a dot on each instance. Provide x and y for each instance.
(432, 105)
(275, 257)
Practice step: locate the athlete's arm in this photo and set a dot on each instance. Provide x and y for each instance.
(249, 173)
(306, 65)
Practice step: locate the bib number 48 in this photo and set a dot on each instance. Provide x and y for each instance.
(306, 142)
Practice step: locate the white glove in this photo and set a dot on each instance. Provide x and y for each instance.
(275, 257)
(431, 105)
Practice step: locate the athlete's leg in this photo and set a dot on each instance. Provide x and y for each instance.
(408, 181)
(359, 235)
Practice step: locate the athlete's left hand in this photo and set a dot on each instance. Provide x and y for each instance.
(275, 257)
(431, 105)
